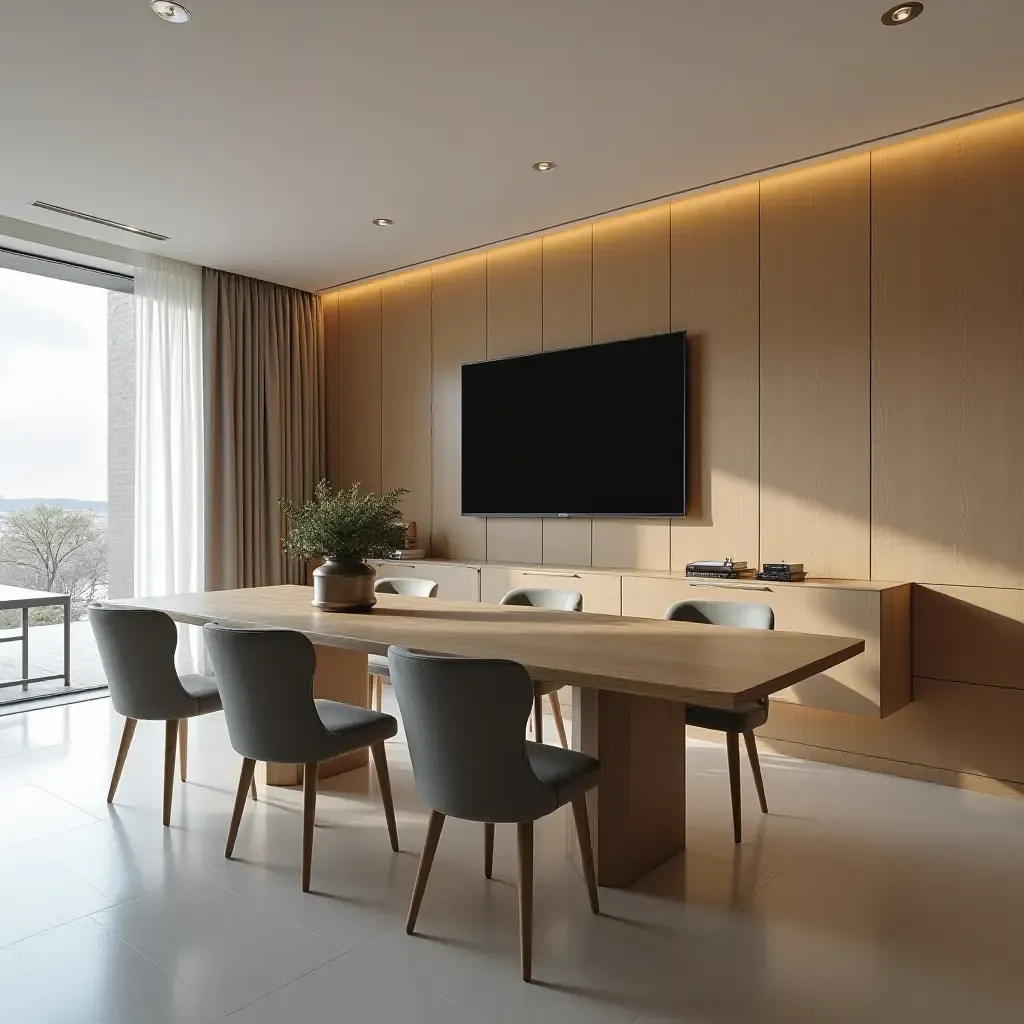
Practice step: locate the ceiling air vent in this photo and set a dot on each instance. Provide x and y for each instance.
(100, 220)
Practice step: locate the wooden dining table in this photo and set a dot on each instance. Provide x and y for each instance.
(631, 678)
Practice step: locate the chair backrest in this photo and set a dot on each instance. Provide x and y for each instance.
(136, 648)
(265, 679)
(465, 720)
(723, 613)
(552, 598)
(407, 586)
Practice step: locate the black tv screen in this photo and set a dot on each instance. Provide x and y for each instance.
(593, 431)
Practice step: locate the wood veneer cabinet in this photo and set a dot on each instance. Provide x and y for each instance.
(601, 590)
(874, 684)
(456, 581)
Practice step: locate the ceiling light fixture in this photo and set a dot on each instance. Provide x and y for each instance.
(93, 219)
(383, 222)
(545, 165)
(172, 12)
(901, 14)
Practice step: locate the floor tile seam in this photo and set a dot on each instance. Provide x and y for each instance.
(780, 875)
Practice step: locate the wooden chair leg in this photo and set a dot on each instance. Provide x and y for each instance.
(252, 788)
(732, 747)
(380, 762)
(309, 783)
(556, 710)
(434, 826)
(488, 849)
(122, 754)
(245, 781)
(538, 720)
(579, 813)
(170, 743)
(183, 749)
(524, 842)
(380, 693)
(755, 767)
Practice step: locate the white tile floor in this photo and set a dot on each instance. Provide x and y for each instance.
(859, 898)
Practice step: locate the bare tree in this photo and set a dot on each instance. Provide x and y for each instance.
(55, 549)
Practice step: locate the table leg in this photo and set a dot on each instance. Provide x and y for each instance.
(638, 811)
(67, 642)
(24, 647)
(340, 675)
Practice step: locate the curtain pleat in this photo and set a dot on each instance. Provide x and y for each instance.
(263, 348)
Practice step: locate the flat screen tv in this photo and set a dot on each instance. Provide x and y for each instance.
(593, 431)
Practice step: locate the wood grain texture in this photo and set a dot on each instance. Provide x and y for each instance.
(358, 394)
(815, 368)
(514, 328)
(568, 270)
(459, 336)
(602, 592)
(332, 366)
(957, 727)
(948, 357)
(406, 395)
(873, 684)
(969, 634)
(632, 299)
(675, 661)
(715, 300)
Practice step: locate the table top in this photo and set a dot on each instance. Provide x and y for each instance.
(20, 597)
(681, 661)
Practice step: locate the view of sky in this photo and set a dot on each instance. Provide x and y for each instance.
(53, 388)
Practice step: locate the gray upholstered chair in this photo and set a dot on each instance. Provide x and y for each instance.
(266, 683)
(465, 720)
(553, 599)
(377, 663)
(136, 648)
(733, 722)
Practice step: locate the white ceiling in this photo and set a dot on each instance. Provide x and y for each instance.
(264, 136)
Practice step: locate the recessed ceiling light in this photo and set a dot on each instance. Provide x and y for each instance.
(174, 13)
(545, 165)
(902, 13)
(383, 222)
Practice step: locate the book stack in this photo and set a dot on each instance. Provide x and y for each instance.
(782, 572)
(719, 569)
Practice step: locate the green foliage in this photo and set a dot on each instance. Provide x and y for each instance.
(344, 524)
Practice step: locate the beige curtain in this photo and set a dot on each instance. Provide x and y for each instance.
(263, 365)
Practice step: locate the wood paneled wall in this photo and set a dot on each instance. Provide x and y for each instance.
(857, 403)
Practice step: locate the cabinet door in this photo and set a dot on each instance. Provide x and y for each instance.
(454, 582)
(854, 687)
(601, 591)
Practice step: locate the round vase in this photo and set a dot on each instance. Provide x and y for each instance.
(344, 585)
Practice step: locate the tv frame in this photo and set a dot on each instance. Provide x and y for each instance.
(682, 335)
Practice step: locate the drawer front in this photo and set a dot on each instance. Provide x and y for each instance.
(853, 687)
(454, 582)
(602, 592)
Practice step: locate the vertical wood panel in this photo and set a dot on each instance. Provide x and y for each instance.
(358, 422)
(632, 299)
(948, 323)
(332, 398)
(568, 316)
(406, 394)
(514, 328)
(815, 368)
(715, 300)
(459, 336)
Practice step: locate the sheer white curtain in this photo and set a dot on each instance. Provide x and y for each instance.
(169, 540)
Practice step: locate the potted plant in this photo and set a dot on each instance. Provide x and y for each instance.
(344, 528)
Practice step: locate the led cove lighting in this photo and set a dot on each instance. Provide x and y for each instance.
(383, 222)
(901, 14)
(545, 165)
(168, 11)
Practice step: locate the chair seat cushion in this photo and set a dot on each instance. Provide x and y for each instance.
(378, 665)
(355, 727)
(204, 689)
(568, 772)
(728, 719)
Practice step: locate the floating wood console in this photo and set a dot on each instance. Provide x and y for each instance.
(875, 684)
